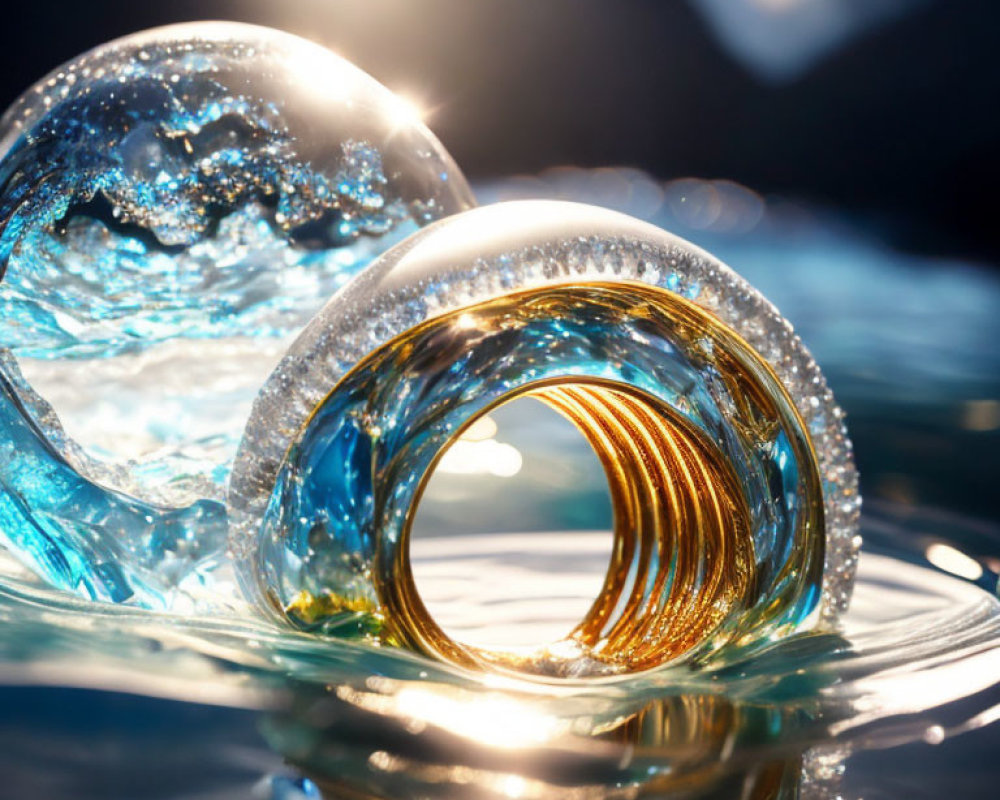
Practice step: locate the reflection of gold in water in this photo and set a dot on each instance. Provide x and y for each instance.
(695, 731)
(517, 747)
(683, 561)
(680, 722)
(307, 608)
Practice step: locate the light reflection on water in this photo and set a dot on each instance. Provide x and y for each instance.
(917, 660)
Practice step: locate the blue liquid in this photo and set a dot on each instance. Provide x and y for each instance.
(163, 198)
(351, 479)
(916, 655)
(87, 539)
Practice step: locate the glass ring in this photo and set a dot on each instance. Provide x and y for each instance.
(730, 472)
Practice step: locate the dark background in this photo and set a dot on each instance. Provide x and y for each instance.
(897, 123)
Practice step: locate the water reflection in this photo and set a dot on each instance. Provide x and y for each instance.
(779, 723)
(916, 662)
(366, 744)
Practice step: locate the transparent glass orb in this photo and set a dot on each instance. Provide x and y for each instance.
(188, 180)
(174, 206)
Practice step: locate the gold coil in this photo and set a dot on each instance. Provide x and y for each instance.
(683, 564)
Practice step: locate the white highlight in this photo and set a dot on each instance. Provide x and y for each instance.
(956, 562)
(484, 457)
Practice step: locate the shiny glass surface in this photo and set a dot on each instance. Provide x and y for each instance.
(715, 486)
(649, 335)
(174, 206)
(899, 702)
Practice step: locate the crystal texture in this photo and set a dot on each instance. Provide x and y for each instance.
(332, 475)
(168, 202)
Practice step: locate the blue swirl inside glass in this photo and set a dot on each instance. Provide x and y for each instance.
(340, 509)
(167, 201)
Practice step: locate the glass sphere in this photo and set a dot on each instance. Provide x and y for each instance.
(187, 180)
(174, 206)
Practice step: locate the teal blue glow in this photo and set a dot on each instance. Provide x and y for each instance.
(120, 229)
(185, 184)
(85, 538)
(351, 477)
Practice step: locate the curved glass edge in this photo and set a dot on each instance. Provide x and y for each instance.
(486, 253)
